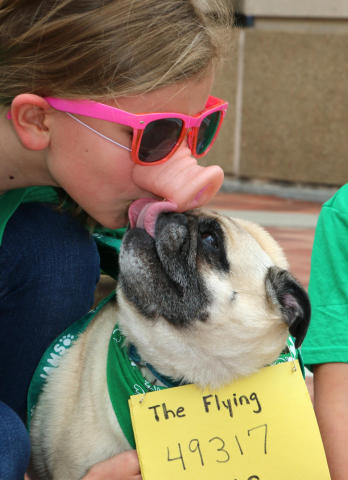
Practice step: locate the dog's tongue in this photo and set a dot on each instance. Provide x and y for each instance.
(143, 213)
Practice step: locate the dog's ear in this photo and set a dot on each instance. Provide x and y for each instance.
(283, 289)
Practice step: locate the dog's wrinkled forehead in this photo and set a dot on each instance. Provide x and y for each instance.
(248, 241)
(211, 238)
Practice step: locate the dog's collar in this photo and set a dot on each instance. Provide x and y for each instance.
(136, 358)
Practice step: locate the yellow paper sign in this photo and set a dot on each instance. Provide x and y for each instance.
(261, 427)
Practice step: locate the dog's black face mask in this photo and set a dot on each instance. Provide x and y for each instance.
(160, 276)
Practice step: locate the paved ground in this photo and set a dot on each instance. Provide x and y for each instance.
(291, 222)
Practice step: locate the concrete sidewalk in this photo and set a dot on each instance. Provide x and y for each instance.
(291, 222)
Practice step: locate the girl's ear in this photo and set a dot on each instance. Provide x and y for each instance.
(29, 118)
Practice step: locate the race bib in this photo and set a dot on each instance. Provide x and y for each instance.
(261, 427)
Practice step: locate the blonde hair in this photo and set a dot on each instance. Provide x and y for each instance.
(105, 48)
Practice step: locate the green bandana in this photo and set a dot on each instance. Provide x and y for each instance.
(124, 377)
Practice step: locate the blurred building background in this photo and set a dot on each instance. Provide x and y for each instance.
(286, 79)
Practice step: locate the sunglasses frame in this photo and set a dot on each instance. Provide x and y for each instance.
(139, 121)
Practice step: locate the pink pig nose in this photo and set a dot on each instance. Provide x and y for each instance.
(180, 180)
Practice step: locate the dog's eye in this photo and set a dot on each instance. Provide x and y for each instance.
(209, 239)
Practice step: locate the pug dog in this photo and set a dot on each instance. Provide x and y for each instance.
(204, 299)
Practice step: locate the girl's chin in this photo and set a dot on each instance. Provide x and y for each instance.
(117, 221)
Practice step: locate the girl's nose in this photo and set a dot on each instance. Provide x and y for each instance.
(180, 180)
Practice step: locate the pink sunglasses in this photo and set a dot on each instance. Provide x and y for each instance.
(156, 136)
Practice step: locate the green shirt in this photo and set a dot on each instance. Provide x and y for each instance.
(10, 201)
(327, 337)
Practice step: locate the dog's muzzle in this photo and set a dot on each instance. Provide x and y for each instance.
(164, 279)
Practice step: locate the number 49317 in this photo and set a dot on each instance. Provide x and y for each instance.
(219, 445)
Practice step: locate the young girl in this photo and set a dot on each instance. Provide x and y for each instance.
(73, 74)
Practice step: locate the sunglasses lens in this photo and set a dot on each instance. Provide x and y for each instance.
(159, 139)
(207, 131)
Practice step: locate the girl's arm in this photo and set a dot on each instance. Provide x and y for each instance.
(331, 408)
